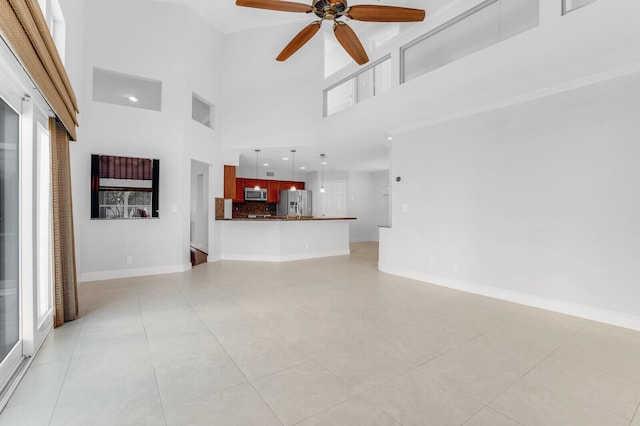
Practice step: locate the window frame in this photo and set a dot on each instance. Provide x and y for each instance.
(437, 30)
(354, 79)
(127, 187)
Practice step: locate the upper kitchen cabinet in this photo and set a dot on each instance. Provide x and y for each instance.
(230, 182)
(273, 191)
(273, 187)
(251, 183)
(239, 196)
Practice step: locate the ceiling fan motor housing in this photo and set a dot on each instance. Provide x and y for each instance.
(327, 9)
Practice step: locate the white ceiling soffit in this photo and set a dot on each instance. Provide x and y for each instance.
(361, 157)
(126, 90)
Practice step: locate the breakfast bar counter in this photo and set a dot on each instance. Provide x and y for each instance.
(283, 238)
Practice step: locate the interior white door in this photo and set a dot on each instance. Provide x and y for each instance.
(333, 202)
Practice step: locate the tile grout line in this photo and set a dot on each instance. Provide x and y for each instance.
(66, 374)
(411, 368)
(155, 377)
(531, 369)
(636, 415)
(244, 295)
(253, 387)
(599, 369)
(357, 395)
(234, 363)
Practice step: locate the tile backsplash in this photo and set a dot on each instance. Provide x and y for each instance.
(253, 207)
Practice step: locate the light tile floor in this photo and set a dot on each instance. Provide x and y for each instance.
(322, 342)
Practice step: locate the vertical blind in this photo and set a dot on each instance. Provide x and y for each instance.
(113, 167)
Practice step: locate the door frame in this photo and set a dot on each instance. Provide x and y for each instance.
(19, 92)
(11, 362)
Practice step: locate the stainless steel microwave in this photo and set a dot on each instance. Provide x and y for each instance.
(252, 194)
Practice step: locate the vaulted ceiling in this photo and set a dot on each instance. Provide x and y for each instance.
(229, 18)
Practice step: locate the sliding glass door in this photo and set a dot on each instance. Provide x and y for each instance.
(10, 335)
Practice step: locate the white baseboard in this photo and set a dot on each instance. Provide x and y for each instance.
(133, 272)
(283, 258)
(620, 319)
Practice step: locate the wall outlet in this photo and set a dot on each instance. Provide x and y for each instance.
(405, 208)
(432, 264)
(456, 268)
(129, 260)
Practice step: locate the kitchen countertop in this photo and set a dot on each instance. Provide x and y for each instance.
(286, 218)
(282, 238)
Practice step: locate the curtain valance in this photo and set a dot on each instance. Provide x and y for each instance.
(25, 30)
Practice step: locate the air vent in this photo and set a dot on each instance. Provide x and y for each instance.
(271, 174)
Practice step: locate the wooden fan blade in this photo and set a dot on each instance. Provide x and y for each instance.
(285, 6)
(349, 40)
(374, 13)
(299, 40)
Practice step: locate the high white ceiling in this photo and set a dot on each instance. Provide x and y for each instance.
(365, 156)
(229, 18)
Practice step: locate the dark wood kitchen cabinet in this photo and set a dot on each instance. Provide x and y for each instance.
(273, 191)
(273, 188)
(230, 182)
(239, 197)
(284, 185)
(251, 183)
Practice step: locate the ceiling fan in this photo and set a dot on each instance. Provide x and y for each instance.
(331, 11)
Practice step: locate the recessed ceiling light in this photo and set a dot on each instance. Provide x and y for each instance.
(133, 99)
(389, 138)
(285, 158)
(303, 168)
(266, 164)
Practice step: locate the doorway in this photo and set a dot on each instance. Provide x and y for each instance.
(199, 232)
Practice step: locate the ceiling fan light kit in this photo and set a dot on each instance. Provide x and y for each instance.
(328, 10)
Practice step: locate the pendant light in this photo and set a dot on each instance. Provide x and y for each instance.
(293, 164)
(323, 161)
(257, 187)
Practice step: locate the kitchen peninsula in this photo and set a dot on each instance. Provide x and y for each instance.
(283, 238)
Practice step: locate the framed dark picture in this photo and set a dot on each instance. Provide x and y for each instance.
(124, 187)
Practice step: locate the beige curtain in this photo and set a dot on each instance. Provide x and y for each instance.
(64, 259)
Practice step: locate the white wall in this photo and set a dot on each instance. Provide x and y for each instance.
(204, 47)
(164, 42)
(381, 200)
(534, 203)
(367, 204)
(271, 103)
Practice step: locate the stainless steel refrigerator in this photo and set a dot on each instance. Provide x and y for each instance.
(294, 203)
